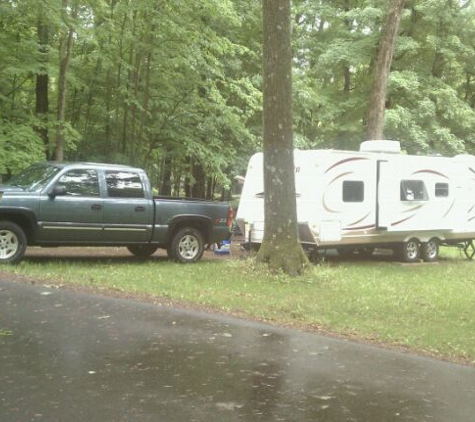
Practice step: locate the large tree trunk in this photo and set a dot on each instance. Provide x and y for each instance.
(280, 248)
(65, 52)
(377, 102)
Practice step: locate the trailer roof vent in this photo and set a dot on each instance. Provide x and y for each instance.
(388, 147)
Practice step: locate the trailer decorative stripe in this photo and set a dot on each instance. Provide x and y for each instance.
(358, 221)
(417, 207)
(431, 172)
(450, 209)
(370, 226)
(340, 176)
(325, 206)
(403, 220)
(346, 160)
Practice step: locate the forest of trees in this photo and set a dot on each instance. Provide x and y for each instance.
(176, 86)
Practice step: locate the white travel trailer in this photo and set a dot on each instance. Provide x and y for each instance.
(377, 197)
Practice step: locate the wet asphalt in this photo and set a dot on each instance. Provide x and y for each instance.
(70, 356)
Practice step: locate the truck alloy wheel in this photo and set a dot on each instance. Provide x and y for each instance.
(187, 245)
(12, 242)
(430, 250)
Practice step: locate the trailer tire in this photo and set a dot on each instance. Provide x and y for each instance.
(142, 251)
(187, 245)
(430, 250)
(410, 251)
(12, 243)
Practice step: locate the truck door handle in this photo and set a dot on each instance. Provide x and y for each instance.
(96, 207)
(139, 209)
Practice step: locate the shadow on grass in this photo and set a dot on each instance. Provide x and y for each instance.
(43, 259)
(383, 256)
(101, 255)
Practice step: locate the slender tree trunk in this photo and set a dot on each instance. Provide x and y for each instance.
(280, 248)
(42, 85)
(209, 188)
(377, 102)
(166, 182)
(199, 186)
(65, 52)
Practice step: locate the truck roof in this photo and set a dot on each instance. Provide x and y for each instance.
(87, 164)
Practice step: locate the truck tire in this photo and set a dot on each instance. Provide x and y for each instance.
(142, 251)
(410, 251)
(12, 243)
(430, 250)
(187, 245)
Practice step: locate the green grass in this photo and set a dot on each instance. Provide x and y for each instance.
(424, 307)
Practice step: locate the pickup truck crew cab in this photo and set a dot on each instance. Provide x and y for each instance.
(90, 204)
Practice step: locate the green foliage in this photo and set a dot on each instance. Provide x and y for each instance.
(20, 147)
(176, 84)
(430, 106)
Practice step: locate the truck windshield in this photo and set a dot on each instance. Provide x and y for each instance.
(34, 178)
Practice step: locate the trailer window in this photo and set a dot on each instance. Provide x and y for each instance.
(441, 190)
(353, 191)
(413, 190)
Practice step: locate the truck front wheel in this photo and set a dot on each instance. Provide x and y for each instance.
(187, 245)
(12, 243)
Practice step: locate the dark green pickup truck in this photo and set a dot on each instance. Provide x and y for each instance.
(89, 204)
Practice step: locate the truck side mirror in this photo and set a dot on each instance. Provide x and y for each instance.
(58, 190)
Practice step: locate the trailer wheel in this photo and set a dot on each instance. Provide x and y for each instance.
(430, 250)
(12, 243)
(410, 250)
(187, 245)
(142, 251)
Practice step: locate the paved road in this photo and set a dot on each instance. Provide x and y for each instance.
(79, 357)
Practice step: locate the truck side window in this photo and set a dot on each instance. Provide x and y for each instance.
(124, 184)
(353, 191)
(80, 182)
(441, 190)
(413, 190)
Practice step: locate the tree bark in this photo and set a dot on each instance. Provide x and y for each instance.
(280, 248)
(377, 102)
(65, 52)
(42, 84)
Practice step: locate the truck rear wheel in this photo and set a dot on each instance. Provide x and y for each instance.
(187, 245)
(12, 243)
(142, 250)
